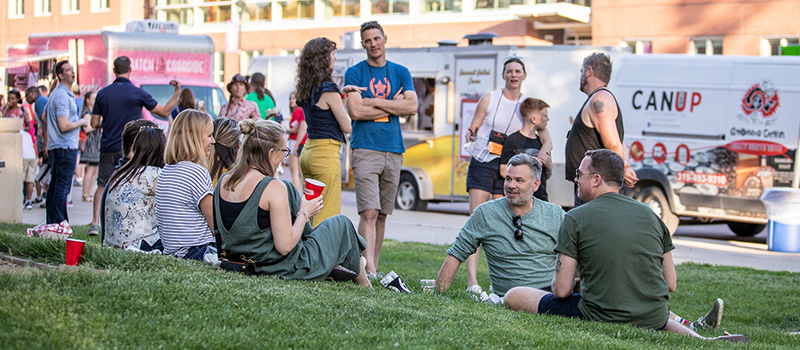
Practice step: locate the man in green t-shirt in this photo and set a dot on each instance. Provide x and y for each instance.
(518, 234)
(625, 256)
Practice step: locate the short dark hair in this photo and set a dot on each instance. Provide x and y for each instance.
(370, 25)
(531, 104)
(130, 132)
(43, 89)
(122, 65)
(60, 68)
(31, 90)
(601, 65)
(15, 92)
(608, 164)
(530, 161)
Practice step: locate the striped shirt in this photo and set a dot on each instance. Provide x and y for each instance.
(179, 189)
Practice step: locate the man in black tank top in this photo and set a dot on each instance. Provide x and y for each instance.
(600, 125)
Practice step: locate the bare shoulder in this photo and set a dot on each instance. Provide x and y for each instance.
(603, 104)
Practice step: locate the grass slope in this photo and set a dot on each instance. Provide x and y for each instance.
(128, 300)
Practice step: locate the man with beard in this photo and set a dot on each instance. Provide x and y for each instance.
(518, 233)
(600, 125)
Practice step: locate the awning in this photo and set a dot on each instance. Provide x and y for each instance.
(42, 56)
(562, 12)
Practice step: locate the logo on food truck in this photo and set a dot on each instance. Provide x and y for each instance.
(666, 101)
(760, 103)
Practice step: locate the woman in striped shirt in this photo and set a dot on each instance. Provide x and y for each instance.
(183, 191)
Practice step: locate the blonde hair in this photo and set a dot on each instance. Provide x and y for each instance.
(185, 141)
(260, 136)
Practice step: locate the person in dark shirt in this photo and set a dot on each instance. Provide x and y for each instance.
(526, 140)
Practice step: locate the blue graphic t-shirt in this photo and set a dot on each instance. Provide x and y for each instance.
(381, 82)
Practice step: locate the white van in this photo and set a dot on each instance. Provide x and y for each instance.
(707, 134)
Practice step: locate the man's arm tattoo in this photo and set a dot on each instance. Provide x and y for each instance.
(558, 263)
(598, 106)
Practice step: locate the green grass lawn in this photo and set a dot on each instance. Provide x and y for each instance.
(128, 300)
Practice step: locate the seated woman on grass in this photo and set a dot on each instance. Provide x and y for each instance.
(130, 209)
(263, 222)
(226, 144)
(183, 191)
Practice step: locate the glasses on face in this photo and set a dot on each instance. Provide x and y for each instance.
(286, 150)
(578, 174)
(517, 220)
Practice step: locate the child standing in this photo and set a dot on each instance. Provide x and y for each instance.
(527, 140)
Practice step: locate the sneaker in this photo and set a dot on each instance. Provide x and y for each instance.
(43, 205)
(37, 200)
(712, 319)
(28, 205)
(93, 230)
(393, 282)
(475, 289)
(69, 204)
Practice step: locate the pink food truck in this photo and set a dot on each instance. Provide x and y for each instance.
(156, 57)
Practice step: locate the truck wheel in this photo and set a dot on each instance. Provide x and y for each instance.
(654, 198)
(408, 194)
(743, 229)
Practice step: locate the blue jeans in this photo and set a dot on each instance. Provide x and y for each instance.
(62, 166)
(197, 253)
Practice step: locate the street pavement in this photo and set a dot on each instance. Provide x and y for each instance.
(701, 243)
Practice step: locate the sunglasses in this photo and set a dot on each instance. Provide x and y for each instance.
(517, 220)
(514, 59)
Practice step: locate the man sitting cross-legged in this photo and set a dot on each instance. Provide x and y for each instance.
(624, 252)
(518, 233)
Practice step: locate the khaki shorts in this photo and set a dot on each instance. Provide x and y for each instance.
(29, 170)
(376, 175)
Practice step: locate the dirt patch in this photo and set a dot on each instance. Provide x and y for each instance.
(9, 267)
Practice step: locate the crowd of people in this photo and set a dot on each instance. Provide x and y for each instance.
(209, 190)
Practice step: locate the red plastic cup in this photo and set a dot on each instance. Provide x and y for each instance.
(74, 251)
(313, 188)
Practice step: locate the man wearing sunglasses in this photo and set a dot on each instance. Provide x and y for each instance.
(625, 256)
(518, 233)
(377, 140)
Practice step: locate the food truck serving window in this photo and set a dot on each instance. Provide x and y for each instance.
(423, 120)
(211, 96)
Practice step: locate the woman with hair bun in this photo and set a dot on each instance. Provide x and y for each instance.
(263, 222)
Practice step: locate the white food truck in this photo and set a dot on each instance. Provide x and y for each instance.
(449, 81)
(707, 134)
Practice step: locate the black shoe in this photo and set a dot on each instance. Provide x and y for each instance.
(341, 274)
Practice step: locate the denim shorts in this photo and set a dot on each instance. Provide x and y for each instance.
(485, 176)
(567, 307)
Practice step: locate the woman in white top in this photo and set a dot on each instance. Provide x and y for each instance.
(130, 207)
(496, 116)
(184, 192)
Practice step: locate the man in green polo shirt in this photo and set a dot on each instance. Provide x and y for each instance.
(625, 256)
(518, 233)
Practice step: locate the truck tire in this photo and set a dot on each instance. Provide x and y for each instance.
(408, 194)
(654, 198)
(743, 229)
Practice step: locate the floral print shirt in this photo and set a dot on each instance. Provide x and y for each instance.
(240, 110)
(130, 216)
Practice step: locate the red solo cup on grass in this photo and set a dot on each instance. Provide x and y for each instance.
(313, 188)
(74, 251)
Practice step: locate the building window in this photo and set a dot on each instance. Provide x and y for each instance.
(261, 11)
(639, 46)
(343, 8)
(441, 6)
(99, 5)
(16, 8)
(706, 47)
(41, 8)
(216, 14)
(69, 7)
(389, 6)
(180, 15)
(775, 45)
(496, 4)
(219, 68)
(297, 9)
(171, 2)
(587, 3)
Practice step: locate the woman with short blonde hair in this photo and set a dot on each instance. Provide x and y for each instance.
(183, 191)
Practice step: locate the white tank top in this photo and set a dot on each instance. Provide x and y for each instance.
(502, 115)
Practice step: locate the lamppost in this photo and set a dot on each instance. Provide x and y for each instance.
(242, 9)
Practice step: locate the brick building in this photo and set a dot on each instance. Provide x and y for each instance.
(727, 27)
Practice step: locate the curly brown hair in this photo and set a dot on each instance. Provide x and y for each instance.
(313, 67)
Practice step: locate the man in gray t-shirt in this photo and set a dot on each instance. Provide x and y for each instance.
(518, 233)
